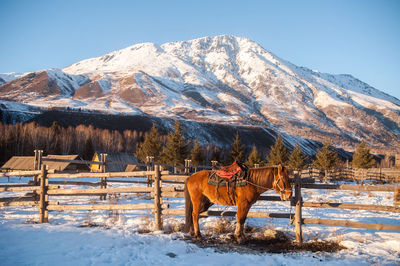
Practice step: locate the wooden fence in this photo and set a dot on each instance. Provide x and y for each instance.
(382, 175)
(42, 190)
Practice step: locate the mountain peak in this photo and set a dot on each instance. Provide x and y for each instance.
(224, 79)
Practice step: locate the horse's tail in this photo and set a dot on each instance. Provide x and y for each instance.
(188, 210)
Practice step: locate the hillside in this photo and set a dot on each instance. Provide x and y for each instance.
(224, 80)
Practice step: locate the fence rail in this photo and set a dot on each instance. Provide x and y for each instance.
(41, 191)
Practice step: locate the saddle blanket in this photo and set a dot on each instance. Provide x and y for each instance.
(229, 176)
(215, 180)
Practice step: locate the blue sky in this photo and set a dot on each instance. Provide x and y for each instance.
(361, 38)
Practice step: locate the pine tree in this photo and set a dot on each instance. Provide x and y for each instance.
(176, 149)
(278, 153)
(297, 160)
(254, 157)
(237, 151)
(326, 159)
(362, 157)
(151, 146)
(197, 154)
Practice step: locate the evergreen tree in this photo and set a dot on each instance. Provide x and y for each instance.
(197, 154)
(297, 160)
(176, 148)
(88, 152)
(151, 146)
(278, 153)
(362, 157)
(254, 157)
(237, 151)
(326, 159)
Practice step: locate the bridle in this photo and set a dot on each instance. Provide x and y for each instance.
(276, 184)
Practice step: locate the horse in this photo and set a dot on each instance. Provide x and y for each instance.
(199, 195)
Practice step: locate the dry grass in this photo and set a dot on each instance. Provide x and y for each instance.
(173, 227)
(222, 226)
(147, 223)
(338, 236)
(114, 215)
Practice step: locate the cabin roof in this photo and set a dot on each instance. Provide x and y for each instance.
(119, 157)
(27, 162)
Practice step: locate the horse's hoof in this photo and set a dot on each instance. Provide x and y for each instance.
(197, 237)
(239, 239)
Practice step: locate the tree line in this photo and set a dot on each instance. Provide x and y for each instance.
(173, 148)
(176, 150)
(23, 139)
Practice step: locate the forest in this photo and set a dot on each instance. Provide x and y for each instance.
(22, 139)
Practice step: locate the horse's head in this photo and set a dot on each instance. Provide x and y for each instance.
(281, 182)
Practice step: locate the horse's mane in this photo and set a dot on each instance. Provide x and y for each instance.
(262, 176)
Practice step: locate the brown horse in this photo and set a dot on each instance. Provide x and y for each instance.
(199, 195)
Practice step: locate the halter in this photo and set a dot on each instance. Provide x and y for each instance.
(276, 184)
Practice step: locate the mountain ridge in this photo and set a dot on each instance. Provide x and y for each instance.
(222, 79)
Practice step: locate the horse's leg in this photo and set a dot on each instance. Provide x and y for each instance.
(197, 202)
(241, 214)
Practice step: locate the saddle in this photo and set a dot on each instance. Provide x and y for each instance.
(231, 177)
(234, 174)
(230, 171)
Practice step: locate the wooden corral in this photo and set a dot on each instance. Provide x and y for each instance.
(44, 195)
(384, 175)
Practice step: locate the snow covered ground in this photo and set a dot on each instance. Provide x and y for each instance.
(120, 239)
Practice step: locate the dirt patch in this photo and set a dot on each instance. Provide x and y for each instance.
(262, 244)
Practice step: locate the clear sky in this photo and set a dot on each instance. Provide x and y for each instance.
(361, 38)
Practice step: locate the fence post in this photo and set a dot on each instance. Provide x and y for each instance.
(397, 195)
(43, 212)
(35, 167)
(103, 180)
(40, 159)
(35, 161)
(157, 198)
(214, 164)
(297, 216)
(188, 163)
(149, 167)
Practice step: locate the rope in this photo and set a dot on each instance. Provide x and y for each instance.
(251, 183)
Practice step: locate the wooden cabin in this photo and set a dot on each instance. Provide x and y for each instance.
(126, 162)
(26, 163)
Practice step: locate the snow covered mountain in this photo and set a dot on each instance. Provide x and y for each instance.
(222, 79)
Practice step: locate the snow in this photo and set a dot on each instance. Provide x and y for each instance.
(67, 83)
(119, 241)
(240, 79)
(11, 76)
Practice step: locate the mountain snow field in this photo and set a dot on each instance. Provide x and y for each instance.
(221, 79)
